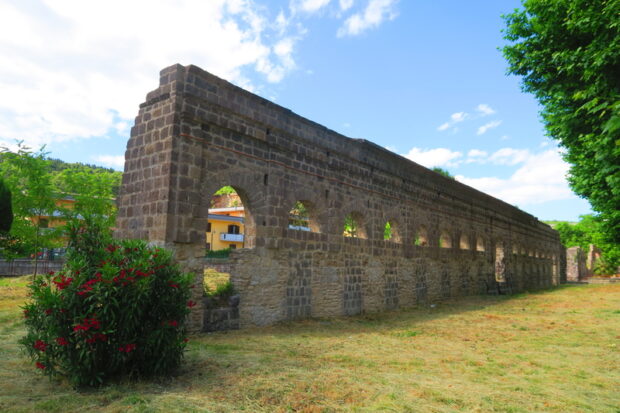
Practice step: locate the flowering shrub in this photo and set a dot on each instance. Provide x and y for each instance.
(117, 308)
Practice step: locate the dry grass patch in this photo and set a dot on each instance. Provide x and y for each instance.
(553, 351)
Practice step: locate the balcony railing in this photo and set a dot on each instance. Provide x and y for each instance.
(231, 237)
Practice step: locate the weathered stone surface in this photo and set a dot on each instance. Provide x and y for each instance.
(197, 133)
(575, 264)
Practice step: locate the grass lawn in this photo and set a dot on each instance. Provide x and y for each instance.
(556, 351)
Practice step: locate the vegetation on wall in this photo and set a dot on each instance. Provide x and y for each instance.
(566, 52)
(443, 172)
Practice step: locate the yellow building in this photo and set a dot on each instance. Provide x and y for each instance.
(225, 228)
(56, 219)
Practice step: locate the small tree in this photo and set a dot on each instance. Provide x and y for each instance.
(92, 191)
(117, 309)
(26, 173)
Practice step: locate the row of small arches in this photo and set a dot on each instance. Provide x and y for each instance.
(303, 217)
(300, 218)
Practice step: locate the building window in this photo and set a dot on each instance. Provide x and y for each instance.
(44, 223)
(233, 246)
(233, 229)
(208, 227)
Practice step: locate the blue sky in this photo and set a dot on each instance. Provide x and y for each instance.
(424, 79)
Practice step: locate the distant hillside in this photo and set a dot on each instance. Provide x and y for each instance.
(59, 165)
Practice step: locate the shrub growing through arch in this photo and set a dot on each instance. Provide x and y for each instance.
(117, 308)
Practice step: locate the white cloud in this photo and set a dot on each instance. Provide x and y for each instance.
(484, 128)
(458, 117)
(485, 109)
(309, 6)
(454, 119)
(346, 4)
(510, 156)
(114, 161)
(540, 178)
(375, 13)
(71, 69)
(476, 153)
(434, 157)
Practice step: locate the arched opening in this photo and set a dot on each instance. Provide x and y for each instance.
(229, 227)
(464, 242)
(480, 244)
(301, 217)
(500, 264)
(421, 237)
(390, 232)
(226, 225)
(515, 249)
(354, 226)
(445, 241)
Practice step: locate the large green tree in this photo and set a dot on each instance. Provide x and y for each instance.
(568, 54)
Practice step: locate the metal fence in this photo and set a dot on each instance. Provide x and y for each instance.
(26, 266)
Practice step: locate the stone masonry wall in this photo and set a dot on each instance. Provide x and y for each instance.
(196, 133)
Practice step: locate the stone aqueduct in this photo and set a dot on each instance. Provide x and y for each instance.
(196, 133)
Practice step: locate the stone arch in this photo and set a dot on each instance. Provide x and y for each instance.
(480, 244)
(445, 239)
(253, 202)
(421, 237)
(500, 262)
(395, 232)
(354, 225)
(464, 241)
(316, 207)
(302, 216)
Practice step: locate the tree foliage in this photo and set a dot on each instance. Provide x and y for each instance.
(567, 52)
(91, 190)
(37, 184)
(590, 230)
(26, 173)
(6, 209)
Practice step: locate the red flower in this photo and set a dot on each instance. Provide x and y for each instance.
(128, 348)
(111, 248)
(48, 311)
(191, 303)
(88, 324)
(173, 323)
(62, 282)
(185, 340)
(173, 285)
(40, 365)
(40, 345)
(61, 341)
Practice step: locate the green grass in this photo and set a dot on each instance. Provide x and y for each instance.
(554, 351)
